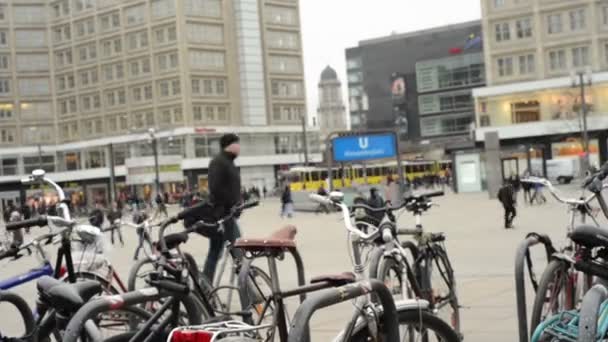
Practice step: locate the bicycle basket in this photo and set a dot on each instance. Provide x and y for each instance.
(208, 213)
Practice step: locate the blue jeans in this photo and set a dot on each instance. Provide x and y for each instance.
(216, 246)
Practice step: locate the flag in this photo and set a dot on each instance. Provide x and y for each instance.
(472, 41)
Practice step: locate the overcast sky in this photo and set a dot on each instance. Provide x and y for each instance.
(330, 26)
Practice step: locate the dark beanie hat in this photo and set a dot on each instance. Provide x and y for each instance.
(228, 139)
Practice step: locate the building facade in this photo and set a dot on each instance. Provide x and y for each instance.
(537, 52)
(78, 75)
(331, 113)
(419, 83)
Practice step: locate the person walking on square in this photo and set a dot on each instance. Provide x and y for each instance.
(286, 203)
(506, 196)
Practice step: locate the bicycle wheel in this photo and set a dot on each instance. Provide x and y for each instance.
(414, 326)
(555, 292)
(443, 284)
(390, 272)
(262, 287)
(108, 288)
(139, 272)
(24, 310)
(590, 312)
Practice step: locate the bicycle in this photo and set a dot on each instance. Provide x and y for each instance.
(174, 284)
(409, 268)
(369, 321)
(562, 286)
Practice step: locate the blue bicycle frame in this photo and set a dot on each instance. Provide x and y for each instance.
(45, 270)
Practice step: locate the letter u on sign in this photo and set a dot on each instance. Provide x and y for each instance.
(363, 142)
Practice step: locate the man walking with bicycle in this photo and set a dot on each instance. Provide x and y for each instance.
(224, 194)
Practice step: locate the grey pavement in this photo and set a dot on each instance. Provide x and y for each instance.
(482, 254)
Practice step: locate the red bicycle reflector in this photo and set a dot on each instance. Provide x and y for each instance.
(62, 271)
(191, 336)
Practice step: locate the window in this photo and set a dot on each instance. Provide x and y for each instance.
(2, 12)
(503, 32)
(526, 64)
(580, 56)
(605, 15)
(87, 52)
(35, 110)
(81, 5)
(176, 87)
(6, 111)
(163, 8)
(505, 66)
(164, 88)
(135, 15)
(577, 19)
(140, 66)
(280, 15)
(29, 14)
(136, 94)
(453, 124)
(169, 87)
(206, 8)
(554, 22)
(528, 111)
(34, 86)
(283, 40)
(5, 62)
(31, 62)
(524, 28)
(137, 40)
(5, 86)
(3, 38)
(30, 38)
(148, 92)
(499, 3)
(285, 64)
(557, 60)
(205, 33)
(109, 22)
(207, 60)
(167, 61)
(111, 47)
(7, 136)
(287, 89)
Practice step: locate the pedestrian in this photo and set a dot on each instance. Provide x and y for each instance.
(538, 194)
(166, 198)
(161, 208)
(516, 182)
(391, 191)
(375, 201)
(114, 215)
(286, 203)
(265, 191)
(506, 196)
(224, 193)
(15, 216)
(322, 206)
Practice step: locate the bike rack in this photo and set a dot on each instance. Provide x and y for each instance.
(244, 273)
(300, 323)
(523, 255)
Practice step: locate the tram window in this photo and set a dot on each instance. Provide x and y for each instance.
(323, 175)
(315, 175)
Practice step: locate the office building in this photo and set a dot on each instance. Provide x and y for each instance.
(78, 75)
(536, 54)
(331, 113)
(418, 83)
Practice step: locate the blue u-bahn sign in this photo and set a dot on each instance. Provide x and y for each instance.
(364, 147)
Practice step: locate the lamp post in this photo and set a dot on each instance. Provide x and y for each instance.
(304, 139)
(578, 80)
(154, 142)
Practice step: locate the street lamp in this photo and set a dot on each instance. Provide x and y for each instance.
(578, 80)
(154, 142)
(304, 139)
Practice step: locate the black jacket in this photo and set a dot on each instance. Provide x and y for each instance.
(506, 195)
(224, 182)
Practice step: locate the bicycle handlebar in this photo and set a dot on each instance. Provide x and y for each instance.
(191, 211)
(40, 221)
(346, 215)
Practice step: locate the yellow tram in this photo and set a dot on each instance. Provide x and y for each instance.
(310, 178)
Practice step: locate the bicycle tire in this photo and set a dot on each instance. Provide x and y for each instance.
(556, 268)
(446, 273)
(590, 312)
(24, 310)
(133, 272)
(258, 273)
(388, 265)
(410, 321)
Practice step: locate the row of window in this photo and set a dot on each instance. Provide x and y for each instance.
(26, 86)
(38, 110)
(288, 113)
(24, 38)
(577, 20)
(138, 14)
(558, 60)
(523, 29)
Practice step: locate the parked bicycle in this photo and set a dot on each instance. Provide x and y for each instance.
(562, 284)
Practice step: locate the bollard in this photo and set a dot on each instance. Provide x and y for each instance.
(523, 255)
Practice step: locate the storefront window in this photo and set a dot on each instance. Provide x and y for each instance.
(47, 163)
(9, 167)
(95, 159)
(528, 111)
(121, 153)
(72, 161)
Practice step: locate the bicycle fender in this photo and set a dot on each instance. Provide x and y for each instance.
(412, 304)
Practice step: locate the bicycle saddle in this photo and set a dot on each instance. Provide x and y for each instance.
(280, 240)
(590, 236)
(175, 239)
(69, 297)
